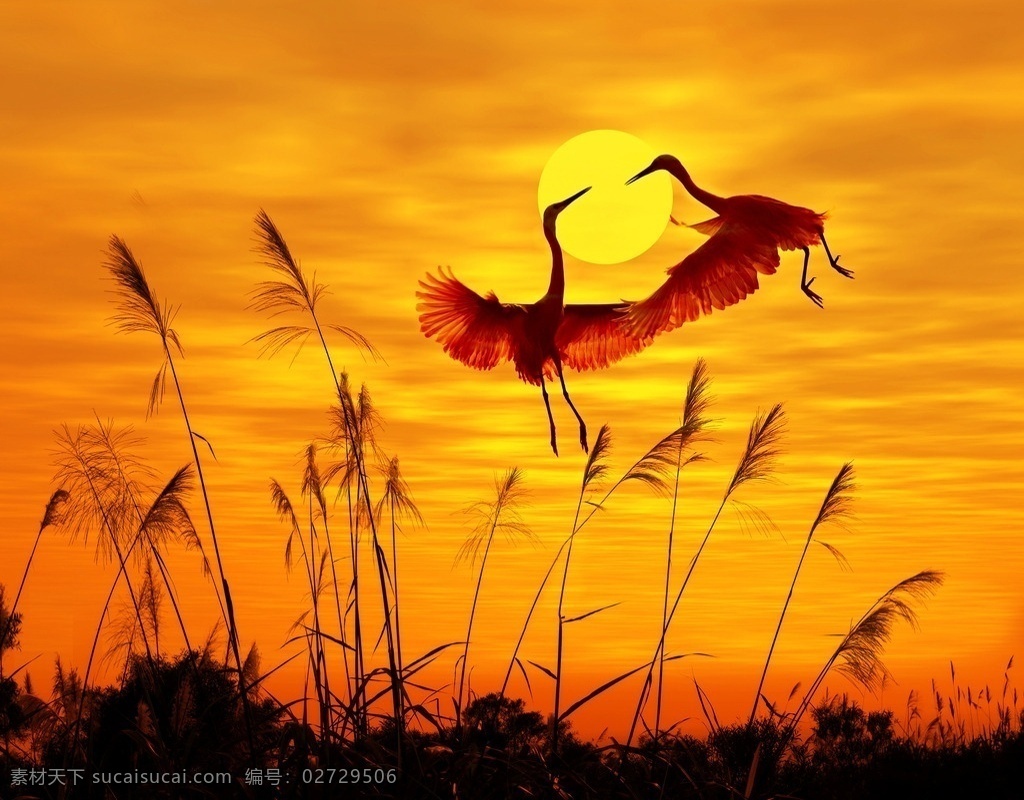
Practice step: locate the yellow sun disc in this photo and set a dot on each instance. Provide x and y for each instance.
(613, 222)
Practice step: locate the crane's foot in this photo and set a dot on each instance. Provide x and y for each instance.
(554, 446)
(815, 297)
(583, 439)
(834, 262)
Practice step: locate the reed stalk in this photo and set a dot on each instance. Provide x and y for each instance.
(652, 470)
(51, 516)
(757, 463)
(694, 408)
(111, 445)
(834, 508)
(859, 653)
(397, 498)
(138, 310)
(291, 291)
(502, 514)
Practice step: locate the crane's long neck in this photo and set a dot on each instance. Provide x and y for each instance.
(557, 285)
(712, 201)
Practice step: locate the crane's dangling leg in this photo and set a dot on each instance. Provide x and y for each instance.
(806, 284)
(565, 394)
(834, 260)
(551, 419)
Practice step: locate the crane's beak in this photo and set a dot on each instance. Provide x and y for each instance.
(574, 198)
(555, 209)
(641, 174)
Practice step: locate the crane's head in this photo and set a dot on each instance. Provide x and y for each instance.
(552, 211)
(665, 162)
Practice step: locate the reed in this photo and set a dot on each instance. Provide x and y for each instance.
(834, 508)
(51, 516)
(695, 409)
(397, 499)
(291, 291)
(97, 502)
(104, 498)
(859, 654)
(316, 505)
(313, 562)
(138, 310)
(163, 520)
(652, 470)
(351, 417)
(501, 515)
(756, 463)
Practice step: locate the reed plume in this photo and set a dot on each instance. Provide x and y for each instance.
(695, 408)
(51, 516)
(290, 291)
(139, 310)
(653, 470)
(397, 499)
(97, 501)
(166, 517)
(501, 515)
(859, 653)
(834, 508)
(757, 463)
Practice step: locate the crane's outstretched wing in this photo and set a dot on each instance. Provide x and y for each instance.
(478, 331)
(718, 274)
(593, 336)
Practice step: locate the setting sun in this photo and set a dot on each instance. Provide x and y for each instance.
(615, 222)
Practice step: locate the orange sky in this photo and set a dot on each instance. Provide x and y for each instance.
(386, 140)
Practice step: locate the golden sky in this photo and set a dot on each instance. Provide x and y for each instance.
(386, 139)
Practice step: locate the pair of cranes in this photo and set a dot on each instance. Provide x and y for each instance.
(544, 337)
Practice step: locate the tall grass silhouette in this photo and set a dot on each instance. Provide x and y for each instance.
(834, 508)
(138, 311)
(501, 515)
(50, 516)
(652, 469)
(291, 291)
(694, 409)
(398, 502)
(314, 558)
(757, 463)
(858, 655)
(364, 703)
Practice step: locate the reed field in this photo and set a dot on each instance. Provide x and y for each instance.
(377, 717)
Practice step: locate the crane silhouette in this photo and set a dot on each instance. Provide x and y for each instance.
(540, 339)
(745, 239)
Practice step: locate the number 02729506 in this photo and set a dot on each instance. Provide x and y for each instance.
(342, 776)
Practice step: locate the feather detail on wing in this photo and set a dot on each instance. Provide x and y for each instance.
(708, 227)
(787, 227)
(593, 336)
(478, 331)
(718, 274)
